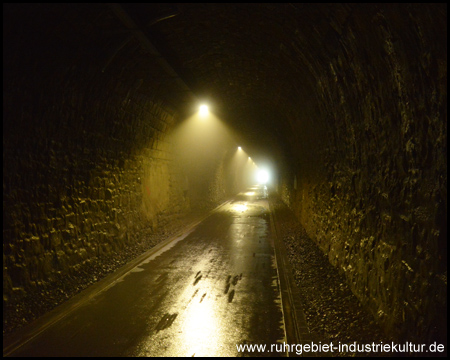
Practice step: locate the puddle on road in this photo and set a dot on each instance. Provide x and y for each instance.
(166, 321)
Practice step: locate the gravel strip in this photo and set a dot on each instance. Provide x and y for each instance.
(333, 313)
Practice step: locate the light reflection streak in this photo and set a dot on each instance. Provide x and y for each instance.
(201, 329)
(239, 207)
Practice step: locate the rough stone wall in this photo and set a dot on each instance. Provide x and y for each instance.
(218, 189)
(72, 198)
(87, 165)
(378, 205)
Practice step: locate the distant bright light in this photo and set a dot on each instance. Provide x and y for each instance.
(239, 148)
(263, 176)
(204, 111)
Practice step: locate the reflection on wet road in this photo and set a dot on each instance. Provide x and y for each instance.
(216, 288)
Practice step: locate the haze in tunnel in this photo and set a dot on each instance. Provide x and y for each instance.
(344, 104)
(206, 150)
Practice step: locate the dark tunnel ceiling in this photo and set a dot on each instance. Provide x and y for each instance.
(234, 57)
(258, 65)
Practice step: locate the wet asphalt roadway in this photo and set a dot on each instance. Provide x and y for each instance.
(211, 289)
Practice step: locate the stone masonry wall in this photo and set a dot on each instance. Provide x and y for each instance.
(71, 198)
(87, 165)
(377, 202)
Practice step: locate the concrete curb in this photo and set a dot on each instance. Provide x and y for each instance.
(297, 329)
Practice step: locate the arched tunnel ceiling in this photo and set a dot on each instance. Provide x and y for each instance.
(237, 57)
(258, 65)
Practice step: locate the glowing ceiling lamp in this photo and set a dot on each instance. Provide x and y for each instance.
(204, 110)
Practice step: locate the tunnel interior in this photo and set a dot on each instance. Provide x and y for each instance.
(345, 104)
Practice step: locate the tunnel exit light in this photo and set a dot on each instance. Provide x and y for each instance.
(263, 176)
